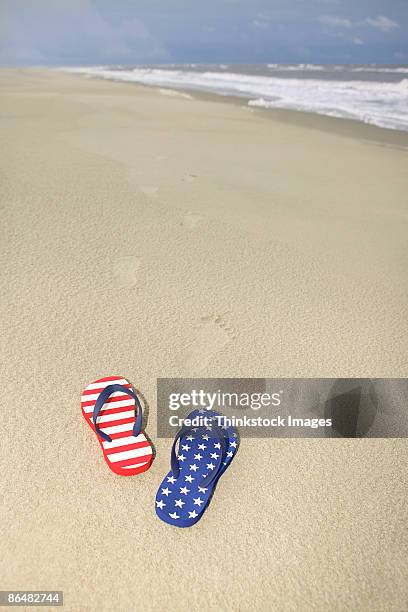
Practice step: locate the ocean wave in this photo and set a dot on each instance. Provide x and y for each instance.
(379, 103)
(380, 69)
(369, 68)
(296, 67)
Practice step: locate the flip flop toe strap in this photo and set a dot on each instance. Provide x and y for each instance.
(103, 398)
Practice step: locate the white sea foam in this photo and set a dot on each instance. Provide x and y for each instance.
(378, 69)
(296, 67)
(373, 68)
(380, 103)
(175, 94)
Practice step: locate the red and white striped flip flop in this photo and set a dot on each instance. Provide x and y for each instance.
(115, 407)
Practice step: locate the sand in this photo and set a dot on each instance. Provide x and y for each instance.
(151, 235)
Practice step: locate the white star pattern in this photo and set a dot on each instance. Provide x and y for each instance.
(187, 494)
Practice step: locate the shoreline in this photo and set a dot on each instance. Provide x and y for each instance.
(351, 128)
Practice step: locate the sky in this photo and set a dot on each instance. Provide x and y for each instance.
(95, 32)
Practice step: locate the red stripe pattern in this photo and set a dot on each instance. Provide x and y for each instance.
(125, 454)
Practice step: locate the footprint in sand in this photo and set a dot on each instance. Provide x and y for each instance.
(189, 178)
(149, 190)
(213, 333)
(125, 270)
(191, 220)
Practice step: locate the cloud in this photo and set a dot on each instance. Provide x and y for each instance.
(340, 22)
(258, 23)
(261, 21)
(72, 32)
(382, 23)
(357, 41)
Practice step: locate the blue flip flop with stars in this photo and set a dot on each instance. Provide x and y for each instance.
(204, 453)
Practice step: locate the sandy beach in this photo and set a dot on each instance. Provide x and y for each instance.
(149, 234)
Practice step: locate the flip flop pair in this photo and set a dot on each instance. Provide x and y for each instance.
(113, 410)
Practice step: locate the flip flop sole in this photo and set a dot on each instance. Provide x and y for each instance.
(126, 455)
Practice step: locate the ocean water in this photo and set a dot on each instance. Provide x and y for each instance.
(373, 94)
